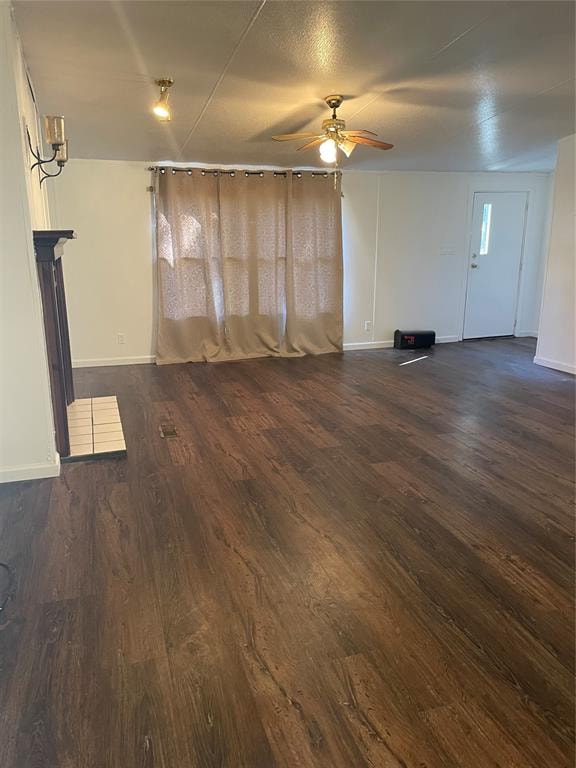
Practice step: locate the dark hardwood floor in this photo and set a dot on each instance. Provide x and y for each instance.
(338, 563)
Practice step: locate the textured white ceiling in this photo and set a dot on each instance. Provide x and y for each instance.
(454, 85)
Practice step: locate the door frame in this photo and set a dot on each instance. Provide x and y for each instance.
(472, 192)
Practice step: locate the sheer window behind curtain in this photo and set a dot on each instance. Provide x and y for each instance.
(248, 265)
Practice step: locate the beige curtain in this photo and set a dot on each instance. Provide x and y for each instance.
(248, 265)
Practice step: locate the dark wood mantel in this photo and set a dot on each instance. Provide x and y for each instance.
(49, 243)
(49, 247)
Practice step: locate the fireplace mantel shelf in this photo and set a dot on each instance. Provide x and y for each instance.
(48, 243)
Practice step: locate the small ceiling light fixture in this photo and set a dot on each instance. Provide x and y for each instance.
(54, 135)
(161, 108)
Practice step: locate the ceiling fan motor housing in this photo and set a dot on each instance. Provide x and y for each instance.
(333, 125)
(333, 101)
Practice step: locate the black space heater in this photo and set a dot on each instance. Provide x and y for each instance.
(414, 339)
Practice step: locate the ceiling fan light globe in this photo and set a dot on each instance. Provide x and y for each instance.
(347, 147)
(328, 151)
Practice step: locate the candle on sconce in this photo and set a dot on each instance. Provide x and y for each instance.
(54, 130)
(62, 153)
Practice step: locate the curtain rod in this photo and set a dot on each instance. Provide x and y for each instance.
(219, 172)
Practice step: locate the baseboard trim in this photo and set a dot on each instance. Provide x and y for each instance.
(558, 365)
(30, 471)
(526, 334)
(97, 362)
(367, 345)
(447, 339)
(103, 361)
(352, 346)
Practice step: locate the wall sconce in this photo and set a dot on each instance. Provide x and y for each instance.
(55, 136)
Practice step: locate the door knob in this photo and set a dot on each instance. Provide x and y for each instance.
(473, 266)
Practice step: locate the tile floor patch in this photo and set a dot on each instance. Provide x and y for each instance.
(81, 450)
(95, 428)
(105, 406)
(107, 437)
(74, 430)
(105, 417)
(115, 426)
(81, 439)
(116, 445)
(72, 422)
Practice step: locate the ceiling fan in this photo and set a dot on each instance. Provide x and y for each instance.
(334, 136)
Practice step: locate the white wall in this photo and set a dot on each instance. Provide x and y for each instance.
(405, 250)
(108, 270)
(27, 446)
(557, 340)
(37, 195)
(406, 239)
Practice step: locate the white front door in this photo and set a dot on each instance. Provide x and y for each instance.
(498, 221)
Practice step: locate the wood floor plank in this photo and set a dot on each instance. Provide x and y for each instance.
(338, 562)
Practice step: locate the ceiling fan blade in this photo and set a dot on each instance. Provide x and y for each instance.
(370, 142)
(357, 133)
(347, 147)
(292, 136)
(313, 143)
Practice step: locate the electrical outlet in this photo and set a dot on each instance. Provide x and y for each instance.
(368, 326)
(120, 338)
